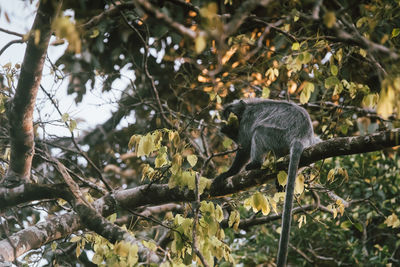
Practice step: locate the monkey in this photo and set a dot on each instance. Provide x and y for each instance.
(264, 125)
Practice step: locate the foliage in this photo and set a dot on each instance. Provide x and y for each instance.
(184, 60)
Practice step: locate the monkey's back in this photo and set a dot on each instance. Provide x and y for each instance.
(292, 123)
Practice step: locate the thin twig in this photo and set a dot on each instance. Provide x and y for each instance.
(82, 153)
(11, 32)
(19, 41)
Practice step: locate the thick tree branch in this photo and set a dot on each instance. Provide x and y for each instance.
(160, 194)
(21, 113)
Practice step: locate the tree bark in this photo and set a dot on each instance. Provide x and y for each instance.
(23, 103)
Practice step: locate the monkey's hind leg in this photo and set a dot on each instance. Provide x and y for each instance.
(265, 138)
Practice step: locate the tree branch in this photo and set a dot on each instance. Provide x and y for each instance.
(157, 194)
(21, 113)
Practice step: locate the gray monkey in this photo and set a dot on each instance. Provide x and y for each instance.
(269, 125)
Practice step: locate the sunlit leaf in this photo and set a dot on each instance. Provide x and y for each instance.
(295, 46)
(282, 178)
(192, 159)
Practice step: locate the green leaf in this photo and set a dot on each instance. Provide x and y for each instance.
(331, 81)
(346, 225)
(53, 246)
(265, 92)
(65, 117)
(72, 125)
(227, 142)
(395, 32)
(359, 227)
(295, 46)
(334, 70)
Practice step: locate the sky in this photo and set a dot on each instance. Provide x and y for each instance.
(96, 106)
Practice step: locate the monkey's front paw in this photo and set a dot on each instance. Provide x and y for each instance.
(253, 165)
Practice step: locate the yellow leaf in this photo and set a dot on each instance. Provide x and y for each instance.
(329, 19)
(122, 248)
(331, 175)
(78, 251)
(392, 221)
(200, 44)
(295, 46)
(219, 214)
(150, 245)
(385, 104)
(95, 33)
(234, 219)
(279, 196)
(192, 159)
(282, 178)
(299, 186)
(112, 217)
(176, 163)
(145, 146)
(53, 246)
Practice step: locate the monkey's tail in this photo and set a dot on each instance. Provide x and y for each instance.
(295, 154)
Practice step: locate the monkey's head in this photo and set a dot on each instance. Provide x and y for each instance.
(231, 116)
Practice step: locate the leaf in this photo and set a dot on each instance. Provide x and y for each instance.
(363, 52)
(75, 239)
(345, 225)
(306, 92)
(161, 159)
(385, 104)
(78, 251)
(331, 81)
(150, 245)
(72, 125)
(295, 46)
(145, 146)
(122, 248)
(176, 163)
(331, 175)
(95, 33)
(282, 178)
(334, 70)
(200, 44)
(133, 141)
(192, 159)
(53, 246)
(65, 117)
(265, 92)
(97, 259)
(219, 214)
(329, 19)
(227, 142)
(392, 221)
(234, 220)
(203, 184)
(359, 226)
(260, 202)
(299, 186)
(112, 217)
(395, 32)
